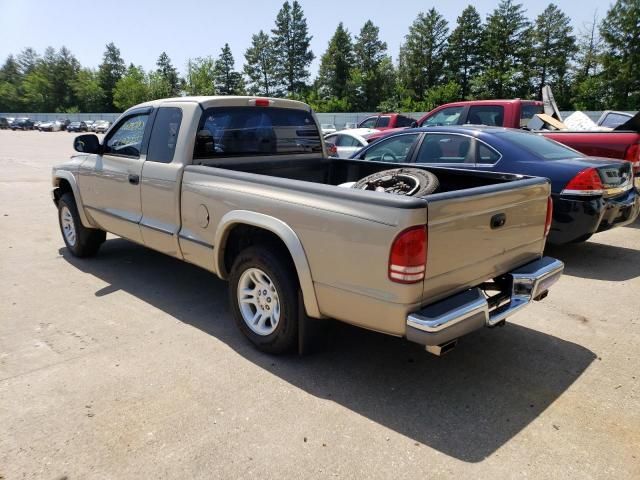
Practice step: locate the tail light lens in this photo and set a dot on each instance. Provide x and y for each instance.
(408, 256)
(587, 182)
(633, 155)
(547, 222)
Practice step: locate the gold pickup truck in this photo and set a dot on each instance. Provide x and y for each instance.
(243, 187)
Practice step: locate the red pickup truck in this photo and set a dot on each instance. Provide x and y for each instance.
(387, 121)
(624, 145)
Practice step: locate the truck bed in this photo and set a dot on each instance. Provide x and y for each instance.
(463, 249)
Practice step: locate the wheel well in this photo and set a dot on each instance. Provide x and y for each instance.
(63, 187)
(242, 237)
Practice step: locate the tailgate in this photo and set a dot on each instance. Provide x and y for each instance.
(482, 233)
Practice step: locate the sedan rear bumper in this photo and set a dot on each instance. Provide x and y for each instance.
(470, 310)
(574, 218)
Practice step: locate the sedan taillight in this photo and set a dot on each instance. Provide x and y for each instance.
(587, 182)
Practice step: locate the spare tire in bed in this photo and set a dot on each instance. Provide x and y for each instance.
(400, 181)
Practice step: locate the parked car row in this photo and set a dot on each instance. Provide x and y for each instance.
(25, 123)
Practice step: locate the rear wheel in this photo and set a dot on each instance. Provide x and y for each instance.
(582, 239)
(263, 293)
(80, 240)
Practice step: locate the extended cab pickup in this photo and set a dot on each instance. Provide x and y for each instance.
(387, 121)
(623, 145)
(242, 187)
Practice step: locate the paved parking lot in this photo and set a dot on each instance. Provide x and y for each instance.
(129, 365)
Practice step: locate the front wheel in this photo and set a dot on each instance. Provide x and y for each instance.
(263, 293)
(80, 240)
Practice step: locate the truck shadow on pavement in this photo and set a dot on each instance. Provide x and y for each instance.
(465, 405)
(598, 261)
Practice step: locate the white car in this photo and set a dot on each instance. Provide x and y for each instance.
(328, 128)
(50, 126)
(348, 142)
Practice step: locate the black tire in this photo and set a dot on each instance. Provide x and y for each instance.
(283, 276)
(87, 240)
(427, 182)
(582, 239)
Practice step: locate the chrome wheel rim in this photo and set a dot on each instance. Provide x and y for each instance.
(68, 226)
(258, 301)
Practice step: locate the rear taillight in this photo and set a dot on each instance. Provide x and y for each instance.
(408, 256)
(547, 222)
(633, 155)
(587, 182)
(260, 102)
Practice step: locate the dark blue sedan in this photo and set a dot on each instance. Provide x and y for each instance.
(589, 194)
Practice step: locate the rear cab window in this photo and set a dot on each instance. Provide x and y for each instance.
(492, 115)
(528, 111)
(252, 131)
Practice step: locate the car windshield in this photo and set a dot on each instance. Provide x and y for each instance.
(539, 145)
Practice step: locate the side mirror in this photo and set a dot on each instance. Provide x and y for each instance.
(87, 144)
(414, 124)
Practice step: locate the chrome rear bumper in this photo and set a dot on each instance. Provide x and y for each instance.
(465, 312)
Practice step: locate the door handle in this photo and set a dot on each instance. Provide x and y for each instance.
(134, 179)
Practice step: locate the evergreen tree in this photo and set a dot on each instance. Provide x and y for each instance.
(423, 54)
(10, 79)
(506, 48)
(227, 80)
(131, 89)
(464, 55)
(28, 60)
(553, 49)
(335, 65)
(167, 75)
(62, 74)
(110, 71)
(620, 31)
(589, 88)
(373, 77)
(260, 65)
(291, 44)
(200, 78)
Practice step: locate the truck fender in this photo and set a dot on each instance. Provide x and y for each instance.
(71, 180)
(288, 237)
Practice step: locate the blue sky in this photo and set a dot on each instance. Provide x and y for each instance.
(190, 28)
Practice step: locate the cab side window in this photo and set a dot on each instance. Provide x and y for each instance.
(164, 135)
(126, 139)
(446, 116)
(369, 122)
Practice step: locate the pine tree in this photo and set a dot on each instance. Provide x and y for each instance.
(423, 54)
(168, 76)
(10, 79)
(373, 78)
(464, 55)
(335, 65)
(589, 88)
(506, 46)
(620, 31)
(28, 60)
(553, 49)
(227, 80)
(110, 71)
(260, 64)
(87, 91)
(291, 44)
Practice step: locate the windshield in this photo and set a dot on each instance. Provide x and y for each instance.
(540, 146)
